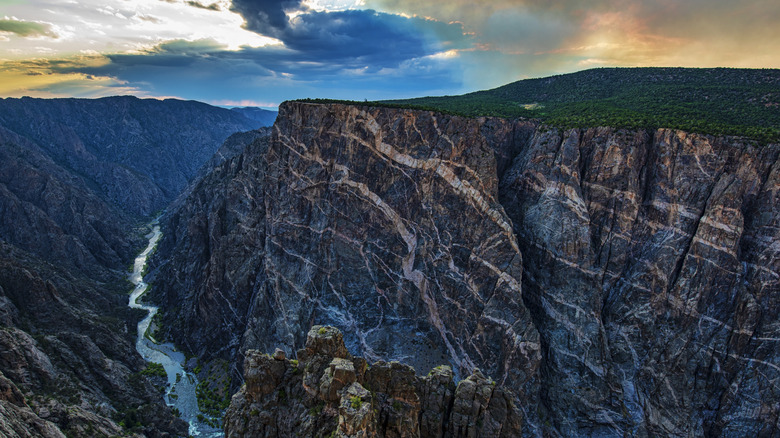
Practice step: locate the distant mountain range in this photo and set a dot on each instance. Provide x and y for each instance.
(265, 117)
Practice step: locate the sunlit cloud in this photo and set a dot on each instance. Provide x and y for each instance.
(268, 51)
(60, 78)
(26, 29)
(208, 7)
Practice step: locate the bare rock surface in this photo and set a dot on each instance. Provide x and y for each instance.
(355, 400)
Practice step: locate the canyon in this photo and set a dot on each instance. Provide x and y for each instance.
(372, 271)
(77, 178)
(616, 282)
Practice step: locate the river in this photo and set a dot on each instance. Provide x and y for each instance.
(181, 389)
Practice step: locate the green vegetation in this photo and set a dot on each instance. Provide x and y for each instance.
(129, 419)
(316, 410)
(719, 101)
(322, 330)
(158, 334)
(213, 393)
(356, 402)
(154, 369)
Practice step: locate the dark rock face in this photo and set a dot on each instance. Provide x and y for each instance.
(370, 218)
(328, 390)
(17, 419)
(210, 259)
(138, 154)
(328, 227)
(618, 282)
(651, 265)
(47, 210)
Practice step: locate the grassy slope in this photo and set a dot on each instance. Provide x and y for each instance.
(742, 102)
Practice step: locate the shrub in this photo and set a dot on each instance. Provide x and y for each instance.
(154, 369)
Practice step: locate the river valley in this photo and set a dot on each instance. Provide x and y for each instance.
(182, 386)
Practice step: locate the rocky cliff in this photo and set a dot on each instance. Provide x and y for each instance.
(618, 282)
(328, 392)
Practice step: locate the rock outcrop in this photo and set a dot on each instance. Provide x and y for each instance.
(328, 392)
(618, 282)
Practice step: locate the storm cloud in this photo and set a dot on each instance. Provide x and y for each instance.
(267, 17)
(382, 38)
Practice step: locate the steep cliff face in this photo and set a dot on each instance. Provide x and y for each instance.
(354, 219)
(209, 262)
(651, 266)
(619, 282)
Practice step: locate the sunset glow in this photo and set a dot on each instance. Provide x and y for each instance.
(260, 51)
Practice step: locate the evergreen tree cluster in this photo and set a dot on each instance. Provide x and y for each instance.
(716, 101)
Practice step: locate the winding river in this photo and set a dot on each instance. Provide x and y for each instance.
(182, 385)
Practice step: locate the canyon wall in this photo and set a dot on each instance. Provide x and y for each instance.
(617, 282)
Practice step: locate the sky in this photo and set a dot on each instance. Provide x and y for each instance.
(262, 52)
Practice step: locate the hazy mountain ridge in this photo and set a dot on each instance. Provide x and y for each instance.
(644, 260)
(124, 145)
(265, 117)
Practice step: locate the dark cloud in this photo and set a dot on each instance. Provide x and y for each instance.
(199, 5)
(267, 17)
(273, 73)
(378, 38)
(26, 28)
